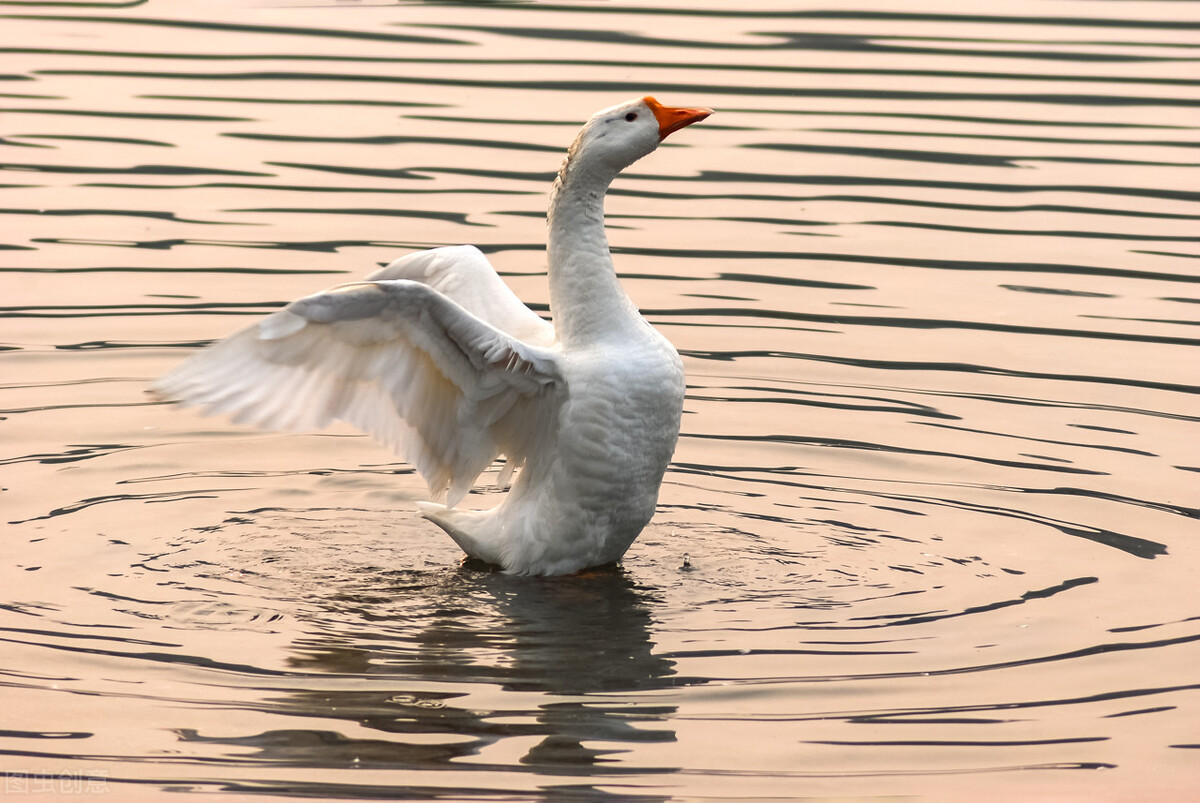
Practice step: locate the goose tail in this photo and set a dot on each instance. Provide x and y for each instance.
(472, 530)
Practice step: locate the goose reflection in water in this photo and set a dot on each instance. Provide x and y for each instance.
(576, 643)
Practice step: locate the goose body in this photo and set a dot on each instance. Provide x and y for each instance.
(436, 358)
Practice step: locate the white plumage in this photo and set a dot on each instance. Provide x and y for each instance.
(437, 359)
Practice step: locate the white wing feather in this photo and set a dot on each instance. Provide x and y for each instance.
(426, 376)
(464, 274)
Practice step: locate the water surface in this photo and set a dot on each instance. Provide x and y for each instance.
(931, 527)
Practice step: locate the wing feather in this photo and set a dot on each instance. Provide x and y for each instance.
(428, 377)
(463, 273)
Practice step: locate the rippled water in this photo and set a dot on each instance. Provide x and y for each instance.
(931, 528)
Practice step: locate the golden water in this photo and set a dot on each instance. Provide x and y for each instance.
(931, 529)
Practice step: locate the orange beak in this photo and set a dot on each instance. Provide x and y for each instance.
(672, 119)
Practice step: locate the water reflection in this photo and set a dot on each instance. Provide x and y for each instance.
(567, 636)
(580, 641)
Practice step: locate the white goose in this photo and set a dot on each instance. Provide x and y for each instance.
(436, 358)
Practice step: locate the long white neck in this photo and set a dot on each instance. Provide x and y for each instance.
(586, 299)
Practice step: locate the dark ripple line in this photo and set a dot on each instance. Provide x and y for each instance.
(1087, 493)
(352, 102)
(16, 734)
(892, 620)
(1004, 267)
(730, 177)
(153, 170)
(890, 16)
(69, 383)
(1171, 321)
(1068, 208)
(646, 65)
(176, 269)
(23, 631)
(226, 27)
(211, 118)
(135, 311)
(42, 408)
(919, 323)
(717, 176)
(788, 40)
(460, 218)
(1029, 439)
(969, 74)
(952, 157)
(1008, 19)
(934, 264)
(959, 742)
(970, 368)
(96, 345)
(1130, 544)
(1085, 652)
(343, 790)
(673, 654)
(104, 4)
(779, 221)
(908, 155)
(1095, 235)
(880, 405)
(329, 246)
(421, 173)
(139, 213)
(164, 496)
(785, 281)
(299, 472)
(15, 143)
(1173, 255)
(867, 446)
(82, 138)
(401, 140)
(1155, 143)
(906, 715)
(318, 246)
(308, 188)
(82, 452)
(970, 186)
(162, 657)
(632, 87)
(440, 757)
(957, 118)
(173, 307)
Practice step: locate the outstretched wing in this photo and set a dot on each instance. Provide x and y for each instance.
(464, 274)
(396, 358)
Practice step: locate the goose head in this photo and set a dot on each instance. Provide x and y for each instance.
(616, 137)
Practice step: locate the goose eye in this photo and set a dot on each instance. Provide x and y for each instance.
(629, 118)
